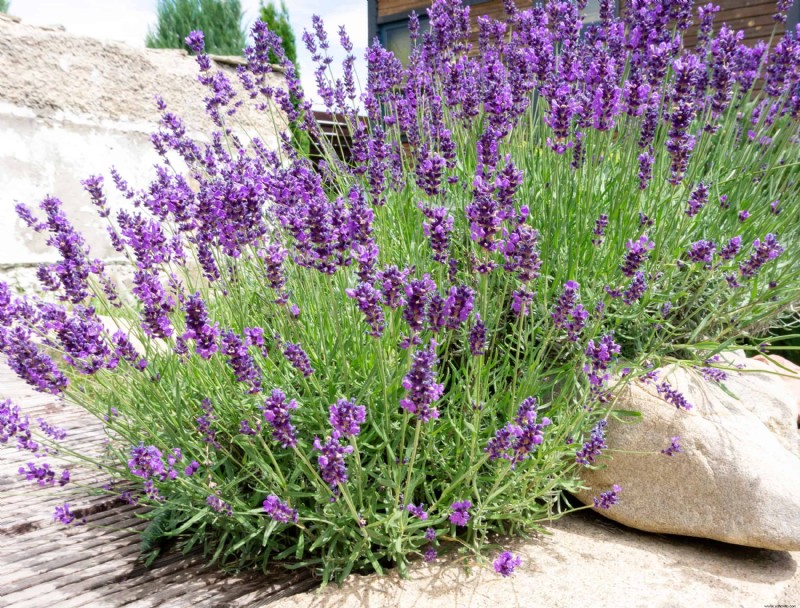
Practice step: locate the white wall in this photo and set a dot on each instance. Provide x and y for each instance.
(71, 107)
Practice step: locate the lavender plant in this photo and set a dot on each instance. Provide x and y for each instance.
(347, 364)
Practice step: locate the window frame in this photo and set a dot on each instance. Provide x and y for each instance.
(399, 24)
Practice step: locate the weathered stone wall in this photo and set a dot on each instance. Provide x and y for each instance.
(71, 107)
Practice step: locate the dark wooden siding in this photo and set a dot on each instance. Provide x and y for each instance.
(391, 10)
(752, 16)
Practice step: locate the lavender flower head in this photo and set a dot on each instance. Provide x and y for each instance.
(731, 249)
(599, 356)
(515, 441)
(146, 462)
(199, 329)
(606, 500)
(204, 424)
(437, 227)
(589, 451)
(298, 359)
(392, 285)
(673, 396)
(568, 314)
(244, 368)
(279, 511)
(460, 515)
(332, 467)
(673, 448)
(369, 302)
(421, 386)
(63, 515)
(600, 225)
(276, 411)
(195, 41)
(418, 293)
(636, 255)
(418, 511)
(477, 337)
(701, 252)
(346, 418)
(697, 199)
(506, 563)
(764, 251)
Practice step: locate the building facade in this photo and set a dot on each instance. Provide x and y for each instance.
(388, 19)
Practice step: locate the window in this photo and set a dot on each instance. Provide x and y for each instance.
(591, 14)
(394, 36)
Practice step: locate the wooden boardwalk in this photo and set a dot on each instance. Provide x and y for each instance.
(45, 564)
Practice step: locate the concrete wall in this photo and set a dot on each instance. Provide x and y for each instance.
(71, 107)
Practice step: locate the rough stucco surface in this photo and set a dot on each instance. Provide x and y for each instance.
(71, 107)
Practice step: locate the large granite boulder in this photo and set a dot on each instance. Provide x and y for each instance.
(737, 478)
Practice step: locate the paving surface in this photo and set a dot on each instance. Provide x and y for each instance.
(586, 561)
(44, 564)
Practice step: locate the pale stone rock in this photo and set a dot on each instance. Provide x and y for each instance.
(586, 561)
(737, 479)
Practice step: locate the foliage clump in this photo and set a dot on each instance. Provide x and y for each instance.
(417, 345)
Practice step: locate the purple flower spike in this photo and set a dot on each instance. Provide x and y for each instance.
(421, 386)
(599, 357)
(506, 563)
(279, 511)
(673, 396)
(195, 41)
(276, 411)
(636, 255)
(477, 337)
(204, 424)
(458, 306)
(332, 468)
(392, 285)
(298, 358)
(568, 314)
(600, 225)
(731, 249)
(697, 199)
(346, 418)
(63, 515)
(146, 462)
(521, 252)
(673, 448)
(460, 515)
(521, 301)
(701, 252)
(763, 252)
(418, 511)
(199, 329)
(437, 227)
(606, 500)
(369, 302)
(590, 450)
(417, 295)
(514, 442)
(219, 505)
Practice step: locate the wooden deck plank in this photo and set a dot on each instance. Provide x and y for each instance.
(43, 564)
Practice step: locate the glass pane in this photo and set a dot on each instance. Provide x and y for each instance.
(395, 37)
(591, 13)
(397, 40)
